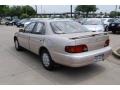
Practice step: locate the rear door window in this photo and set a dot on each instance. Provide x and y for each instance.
(39, 28)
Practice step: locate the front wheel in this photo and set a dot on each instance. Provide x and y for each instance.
(47, 61)
(17, 46)
(106, 29)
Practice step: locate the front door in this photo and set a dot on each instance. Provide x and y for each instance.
(24, 37)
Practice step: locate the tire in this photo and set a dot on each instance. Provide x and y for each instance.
(106, 29)
(17, 46)
(47, 61)
(114, 31)
(6, 24)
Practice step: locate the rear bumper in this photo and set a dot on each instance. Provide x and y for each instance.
(81, 59)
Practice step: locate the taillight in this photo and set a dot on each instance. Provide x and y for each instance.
(107, 43)
(76, 49)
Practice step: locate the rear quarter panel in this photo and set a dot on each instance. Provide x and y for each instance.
(54, 43)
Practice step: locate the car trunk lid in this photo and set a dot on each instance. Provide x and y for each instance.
(93, 40)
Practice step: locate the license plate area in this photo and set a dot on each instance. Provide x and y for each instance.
(99, 58)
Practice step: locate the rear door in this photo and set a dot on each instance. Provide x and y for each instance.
(24, 37)
(37, 37)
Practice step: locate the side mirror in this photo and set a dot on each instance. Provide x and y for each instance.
(21, 30)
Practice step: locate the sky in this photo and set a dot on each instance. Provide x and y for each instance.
(66, 8)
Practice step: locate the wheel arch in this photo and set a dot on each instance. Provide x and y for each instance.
(43, 48)
(15, 38)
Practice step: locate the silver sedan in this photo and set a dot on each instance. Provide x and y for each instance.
(64, 42)
(94, 24)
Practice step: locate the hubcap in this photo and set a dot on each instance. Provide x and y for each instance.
(106, 28)
(46, 60)
(16, 44)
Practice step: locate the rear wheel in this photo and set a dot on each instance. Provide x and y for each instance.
(47, 61)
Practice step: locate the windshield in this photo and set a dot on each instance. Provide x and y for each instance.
(117, 21)
(111, 20)
(65, 27)
(92, 22)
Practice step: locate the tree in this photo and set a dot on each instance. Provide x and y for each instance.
(114, 14)
(86, 9)
(3, 9)
(21, 11)
(15, 11)
(28, 10)
(7, 10)
(24, 16)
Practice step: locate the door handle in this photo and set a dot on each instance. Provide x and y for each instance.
(42, 40)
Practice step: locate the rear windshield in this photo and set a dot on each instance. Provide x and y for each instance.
(92, 22)
(65, 27)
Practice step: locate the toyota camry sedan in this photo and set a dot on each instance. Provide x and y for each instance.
(63, 42)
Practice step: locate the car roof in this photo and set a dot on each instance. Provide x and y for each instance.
(51, 19)
(93, 18)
